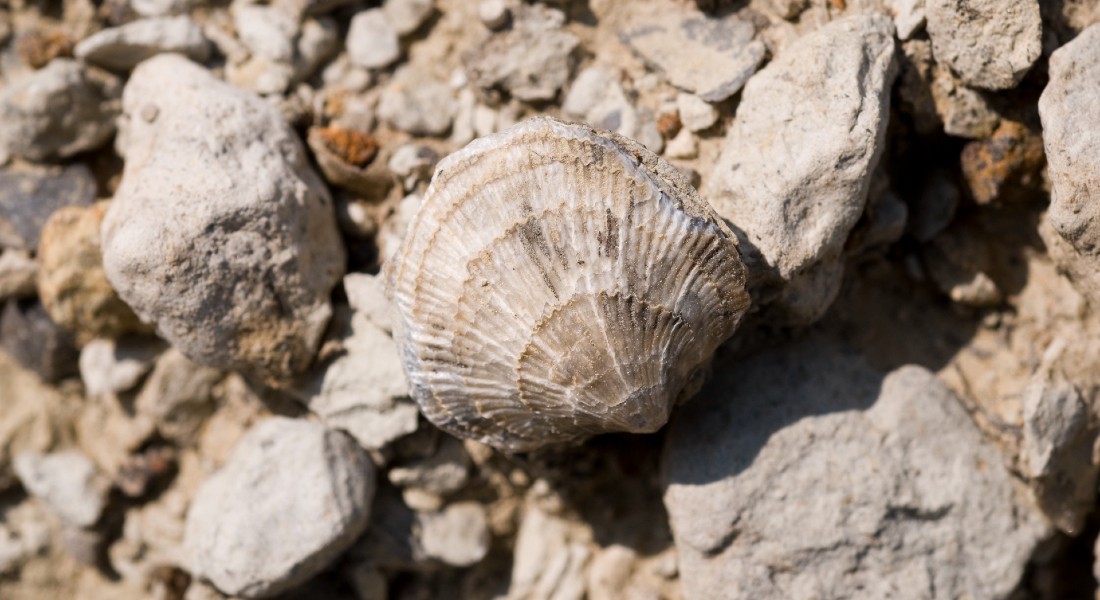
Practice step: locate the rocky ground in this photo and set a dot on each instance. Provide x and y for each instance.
(201, 396)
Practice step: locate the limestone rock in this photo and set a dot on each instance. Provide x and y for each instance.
(372, 40)
(113, 366)
(122, 48)
(71, 283)
(57, 111)
(816, 119)
(177, 397)
(801, 473)
(417, 102)
(1069, 107)
(66, 483)
(291, 498)
(227, 242)
(458, 535)
(407, 16)
(18, 274)
(707, 56)
(695, 113)
(989, 44)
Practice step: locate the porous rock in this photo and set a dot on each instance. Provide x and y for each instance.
(292, 497)
(708, 56)
(57, 111)
(71, 283)
(989, 44)
(67, 483)
(220, 234)
(531, 61)
(122, 48)
(29, 194)
(817, 136)
(802, 473)
(1070, 106)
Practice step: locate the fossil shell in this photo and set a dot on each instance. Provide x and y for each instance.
(558, 283)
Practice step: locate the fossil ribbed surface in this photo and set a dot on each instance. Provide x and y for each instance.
(558, 283)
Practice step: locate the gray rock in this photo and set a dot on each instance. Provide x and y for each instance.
(989, 44)
(695, 113)
(177, 397)
(444, 472)
(372, 40)
(1069, 106)
(417, 102)
(66, 483)
(707, 56)
(18, 274)
(458, 535)
(363, 390)
(802, 473)
(413, 163)
(934, 208)
(112, 366)
(29, 335)
(531, 61)
(586, 91)
(227, 242)
(551, 556)
(965, 112)
(367, 296)
(122, 48)
(598, 99)
(406, 16)
(816, 119)
(57, 111)
(1056, 450)
(290, 499)
(29, 194)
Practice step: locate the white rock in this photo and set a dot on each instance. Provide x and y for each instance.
(57, 111)
(24, 532)
(989, 44)
(684, 145)
(413, 163)
(551, 555)
(862, 487)
(586, 91)
(220, 233)
(406, 16)
(696, 114)
(265, 30)
(367, 296)
(417, 102)
(909, 16)
(123, 47)
(1070, 112)
(290, 499)
(372, 40)
(162, 8)
(494, 14)
(177, 397)
(113, 366)
(67, 483)
(458, 535)
(707, 56)
(444, 472)
(816, 119)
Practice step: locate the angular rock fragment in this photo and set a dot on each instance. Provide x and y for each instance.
(1070, 111)
(122, 48)
(29, 194)
(18, 275)
(815, 119)
(597, 98)
(802, 473)
(177, 397)
(989, 44)
(113, 366)
(965, 112)
(372, 40)
(66, 483)
(417, 102)
(57, 111)
(1004, 166)
(29, 335)
(71, 282)
(458, 535)
(707, 56)
(531, 61)
(406, 16)
(291, 498)
(220, 233)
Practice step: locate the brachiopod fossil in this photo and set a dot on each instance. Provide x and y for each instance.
(558, 283)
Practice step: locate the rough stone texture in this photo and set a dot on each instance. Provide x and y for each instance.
(113, 366)
(908, 15)
(816, 119)
(122, 48)
(177, 397)
(57, 111)
(709, 57)
(220, 234)
(1069, 106)
(18, 274)
(36, 342)
(276, 49)
(417, 102)
(458, 535)
(1056, 450)
(372, 40)
(1005, 166)
(989, 44)
(531, 61)
(71, 283)
(551, 555)
(598, 98)
(695, 113)
(965, 112)
(30, 194)
(66, 483)
(442, 473)
(292, 497)
(802, 473)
